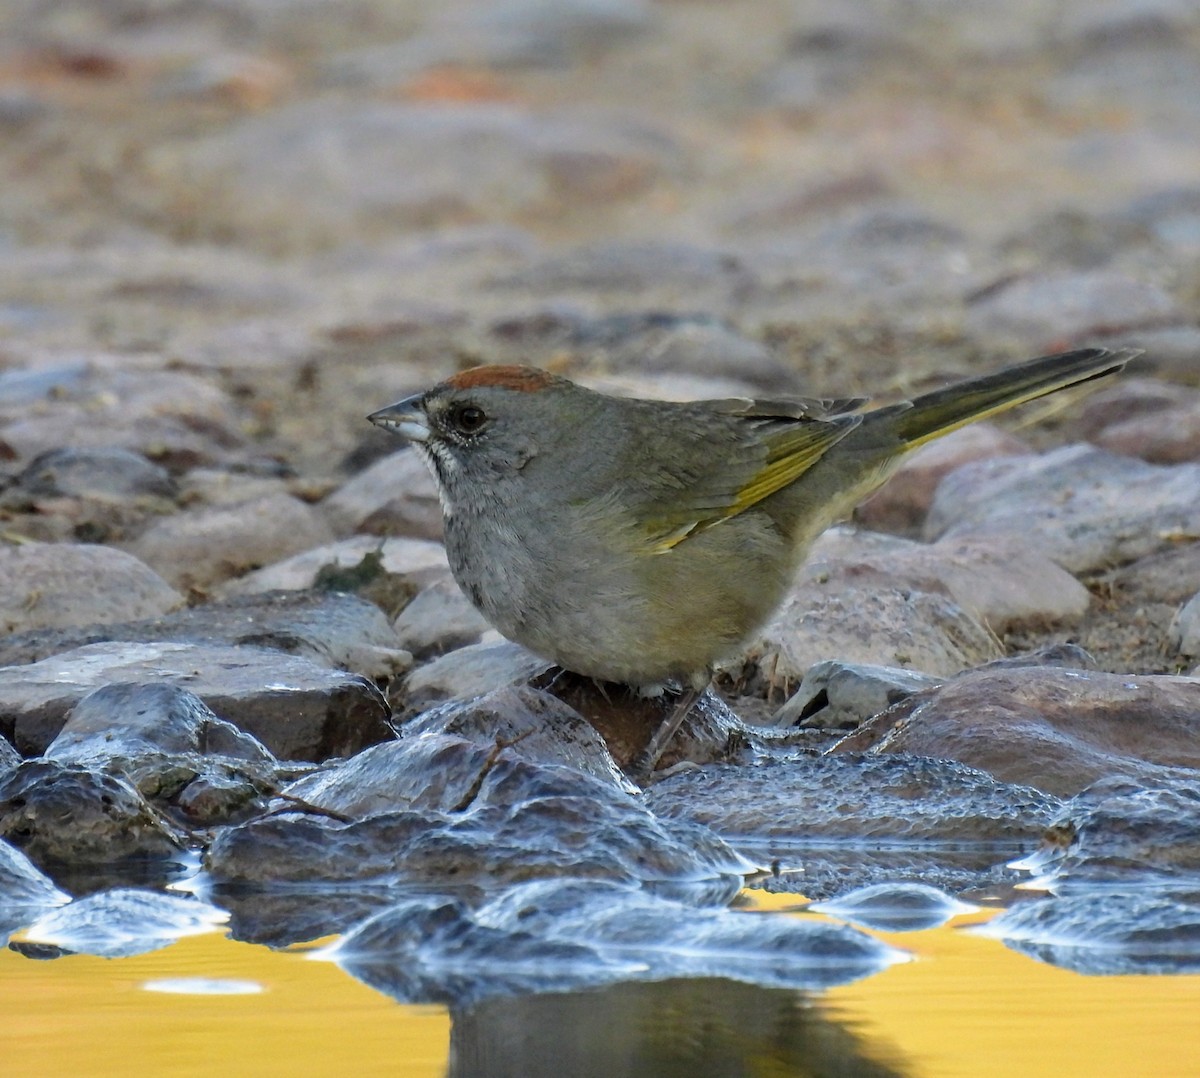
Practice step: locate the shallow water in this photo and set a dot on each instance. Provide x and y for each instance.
(965, 1005)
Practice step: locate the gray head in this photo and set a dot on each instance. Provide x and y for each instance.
(486, 425)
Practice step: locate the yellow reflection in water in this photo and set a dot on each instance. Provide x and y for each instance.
(91, 1017)
(968, 1007)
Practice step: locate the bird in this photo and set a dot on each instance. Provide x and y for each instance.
(643, 541)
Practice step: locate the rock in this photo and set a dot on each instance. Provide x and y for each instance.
(53, 585)
(64, 815)
(787, 804)
(401, 566)
(838, 695)
(172, 748)
(396, 495)
(471, 671)
(102, 473)
(1184, 634)
(1167, 437)
(1082, 507)
(1120, 834)
(901, 503)
(207, 546)
(329, 628)
(25, 891)
(1104, 934)
(670, 273)
(558, 934)
(707, 348)
(120, 923)
(1057, 730)
(878, 626)
(439, 619)
(1002, 584)
(524, 821)
(1146, 418)
(127, 721)
(1058, 308)
(9, 757)
(297, 709)
(627, 721)
(176, 420)
(442, 758)
(531, 723)
(349, 167)
(895, 907)
(1171, 576)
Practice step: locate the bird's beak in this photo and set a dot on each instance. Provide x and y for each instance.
(406, 418)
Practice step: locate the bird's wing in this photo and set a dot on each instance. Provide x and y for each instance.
(766, 447)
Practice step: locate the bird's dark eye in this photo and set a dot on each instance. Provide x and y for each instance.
(467, 418)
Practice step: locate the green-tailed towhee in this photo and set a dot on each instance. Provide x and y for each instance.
(640, 541)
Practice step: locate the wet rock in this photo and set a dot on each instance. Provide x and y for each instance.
(1121, 834)
(838, 695)
(901, 503)
(281, 917)
(330, 628)
(297, 709)
(65, 815)
(349, 167)
(1105, 934)
(552, 935)
(204, 547)
(424, 770)
(524, 821)
(1082, 507)
(52, 585)
(120, 923)
(25, 891)
(1185, 628)
(179, 755)
(128, 721)
(439, 619)
(395, 496)
(627, 721)
(1062, 307)
(895, 907)
(532, 723)
(420, 951)
(9, 757)
(1057, 730)
(784, 805)
(365, 565)
(471, 671)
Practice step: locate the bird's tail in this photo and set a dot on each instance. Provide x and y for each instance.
(864, 458)
(931, 415)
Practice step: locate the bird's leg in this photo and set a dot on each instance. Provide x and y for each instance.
(645, 764)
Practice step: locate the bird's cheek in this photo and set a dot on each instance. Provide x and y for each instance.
(515, 458)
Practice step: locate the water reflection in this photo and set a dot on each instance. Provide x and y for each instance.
(684, 1028)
